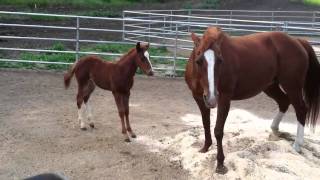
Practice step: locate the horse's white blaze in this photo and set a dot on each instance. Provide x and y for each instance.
(276, 121)
(146, 54)
(210, 58)
(299, 139)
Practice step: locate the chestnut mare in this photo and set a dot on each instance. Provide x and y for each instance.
(223, 68)
(116, 77)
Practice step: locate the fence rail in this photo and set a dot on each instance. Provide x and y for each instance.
(162, 28)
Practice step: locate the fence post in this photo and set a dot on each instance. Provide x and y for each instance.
(77, 38)
(272, 19)
(164, 29)
(149, 26)
(285, 23)
(313, 18)
(230, 17)
(175, 51)
(170, 20)
(189, 14)
(123, 26)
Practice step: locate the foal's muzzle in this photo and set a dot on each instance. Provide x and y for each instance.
(150, 73)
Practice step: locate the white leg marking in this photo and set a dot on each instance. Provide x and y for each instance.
(276, 121)
(80, 116)
(146, 54)
(210, 58)
(89, 111)
(299, 139)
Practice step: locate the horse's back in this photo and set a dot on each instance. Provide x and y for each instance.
(262, 58)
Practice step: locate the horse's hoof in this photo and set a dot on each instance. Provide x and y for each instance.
(297, 147)
(83, 128)
(127, 140)
(205, 148)
(91, 125)
(221, 169)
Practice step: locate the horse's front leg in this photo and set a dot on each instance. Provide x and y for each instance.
(223, 110)
(126, 111)
(121, 109)
(205, 113)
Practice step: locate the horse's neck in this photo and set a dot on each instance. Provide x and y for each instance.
(127, 65)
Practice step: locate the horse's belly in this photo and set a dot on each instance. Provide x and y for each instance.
(248, 89)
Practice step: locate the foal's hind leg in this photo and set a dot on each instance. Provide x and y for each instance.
(126, 112)
(88, 90)
(282, 100)
(81, 108)
(121, 109)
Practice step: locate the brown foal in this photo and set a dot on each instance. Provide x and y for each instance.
(91, 71)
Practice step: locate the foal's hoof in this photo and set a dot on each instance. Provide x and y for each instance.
(127, 140)
(91, 125)
(133, 135)
(221, 169)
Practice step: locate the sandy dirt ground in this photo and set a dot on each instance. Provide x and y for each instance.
(39, 133)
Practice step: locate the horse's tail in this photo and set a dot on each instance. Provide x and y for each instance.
(312, 85)
(68, 76)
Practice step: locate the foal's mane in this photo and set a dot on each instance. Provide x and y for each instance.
(128, 54)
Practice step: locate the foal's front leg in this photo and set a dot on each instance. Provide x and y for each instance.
(121, 109)
(223, 110)
(126, 104)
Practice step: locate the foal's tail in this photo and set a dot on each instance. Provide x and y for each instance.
(312, 85)
(68, 76)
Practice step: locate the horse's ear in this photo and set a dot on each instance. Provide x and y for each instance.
(138, 47)
(195, 39)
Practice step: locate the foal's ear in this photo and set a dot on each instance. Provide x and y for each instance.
(195, 39)
(138, 47)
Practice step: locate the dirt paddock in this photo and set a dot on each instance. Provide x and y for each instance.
(39, 133)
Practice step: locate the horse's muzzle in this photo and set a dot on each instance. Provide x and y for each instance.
(210, 102)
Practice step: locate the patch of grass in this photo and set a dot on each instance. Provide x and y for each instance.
(110, 48)
(312, 2)
(74, 3)
(211, 4)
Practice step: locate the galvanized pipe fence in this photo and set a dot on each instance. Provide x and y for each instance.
(166, 29)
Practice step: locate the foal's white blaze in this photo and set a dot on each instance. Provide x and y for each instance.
(146, 54)
(276, 121)
(299, 139)
(210, 58)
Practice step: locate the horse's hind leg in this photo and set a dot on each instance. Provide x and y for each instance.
(88, 90)
(282, 100)
(296, 99)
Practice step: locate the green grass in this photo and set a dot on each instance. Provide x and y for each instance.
(312, 2)
(64, 57)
